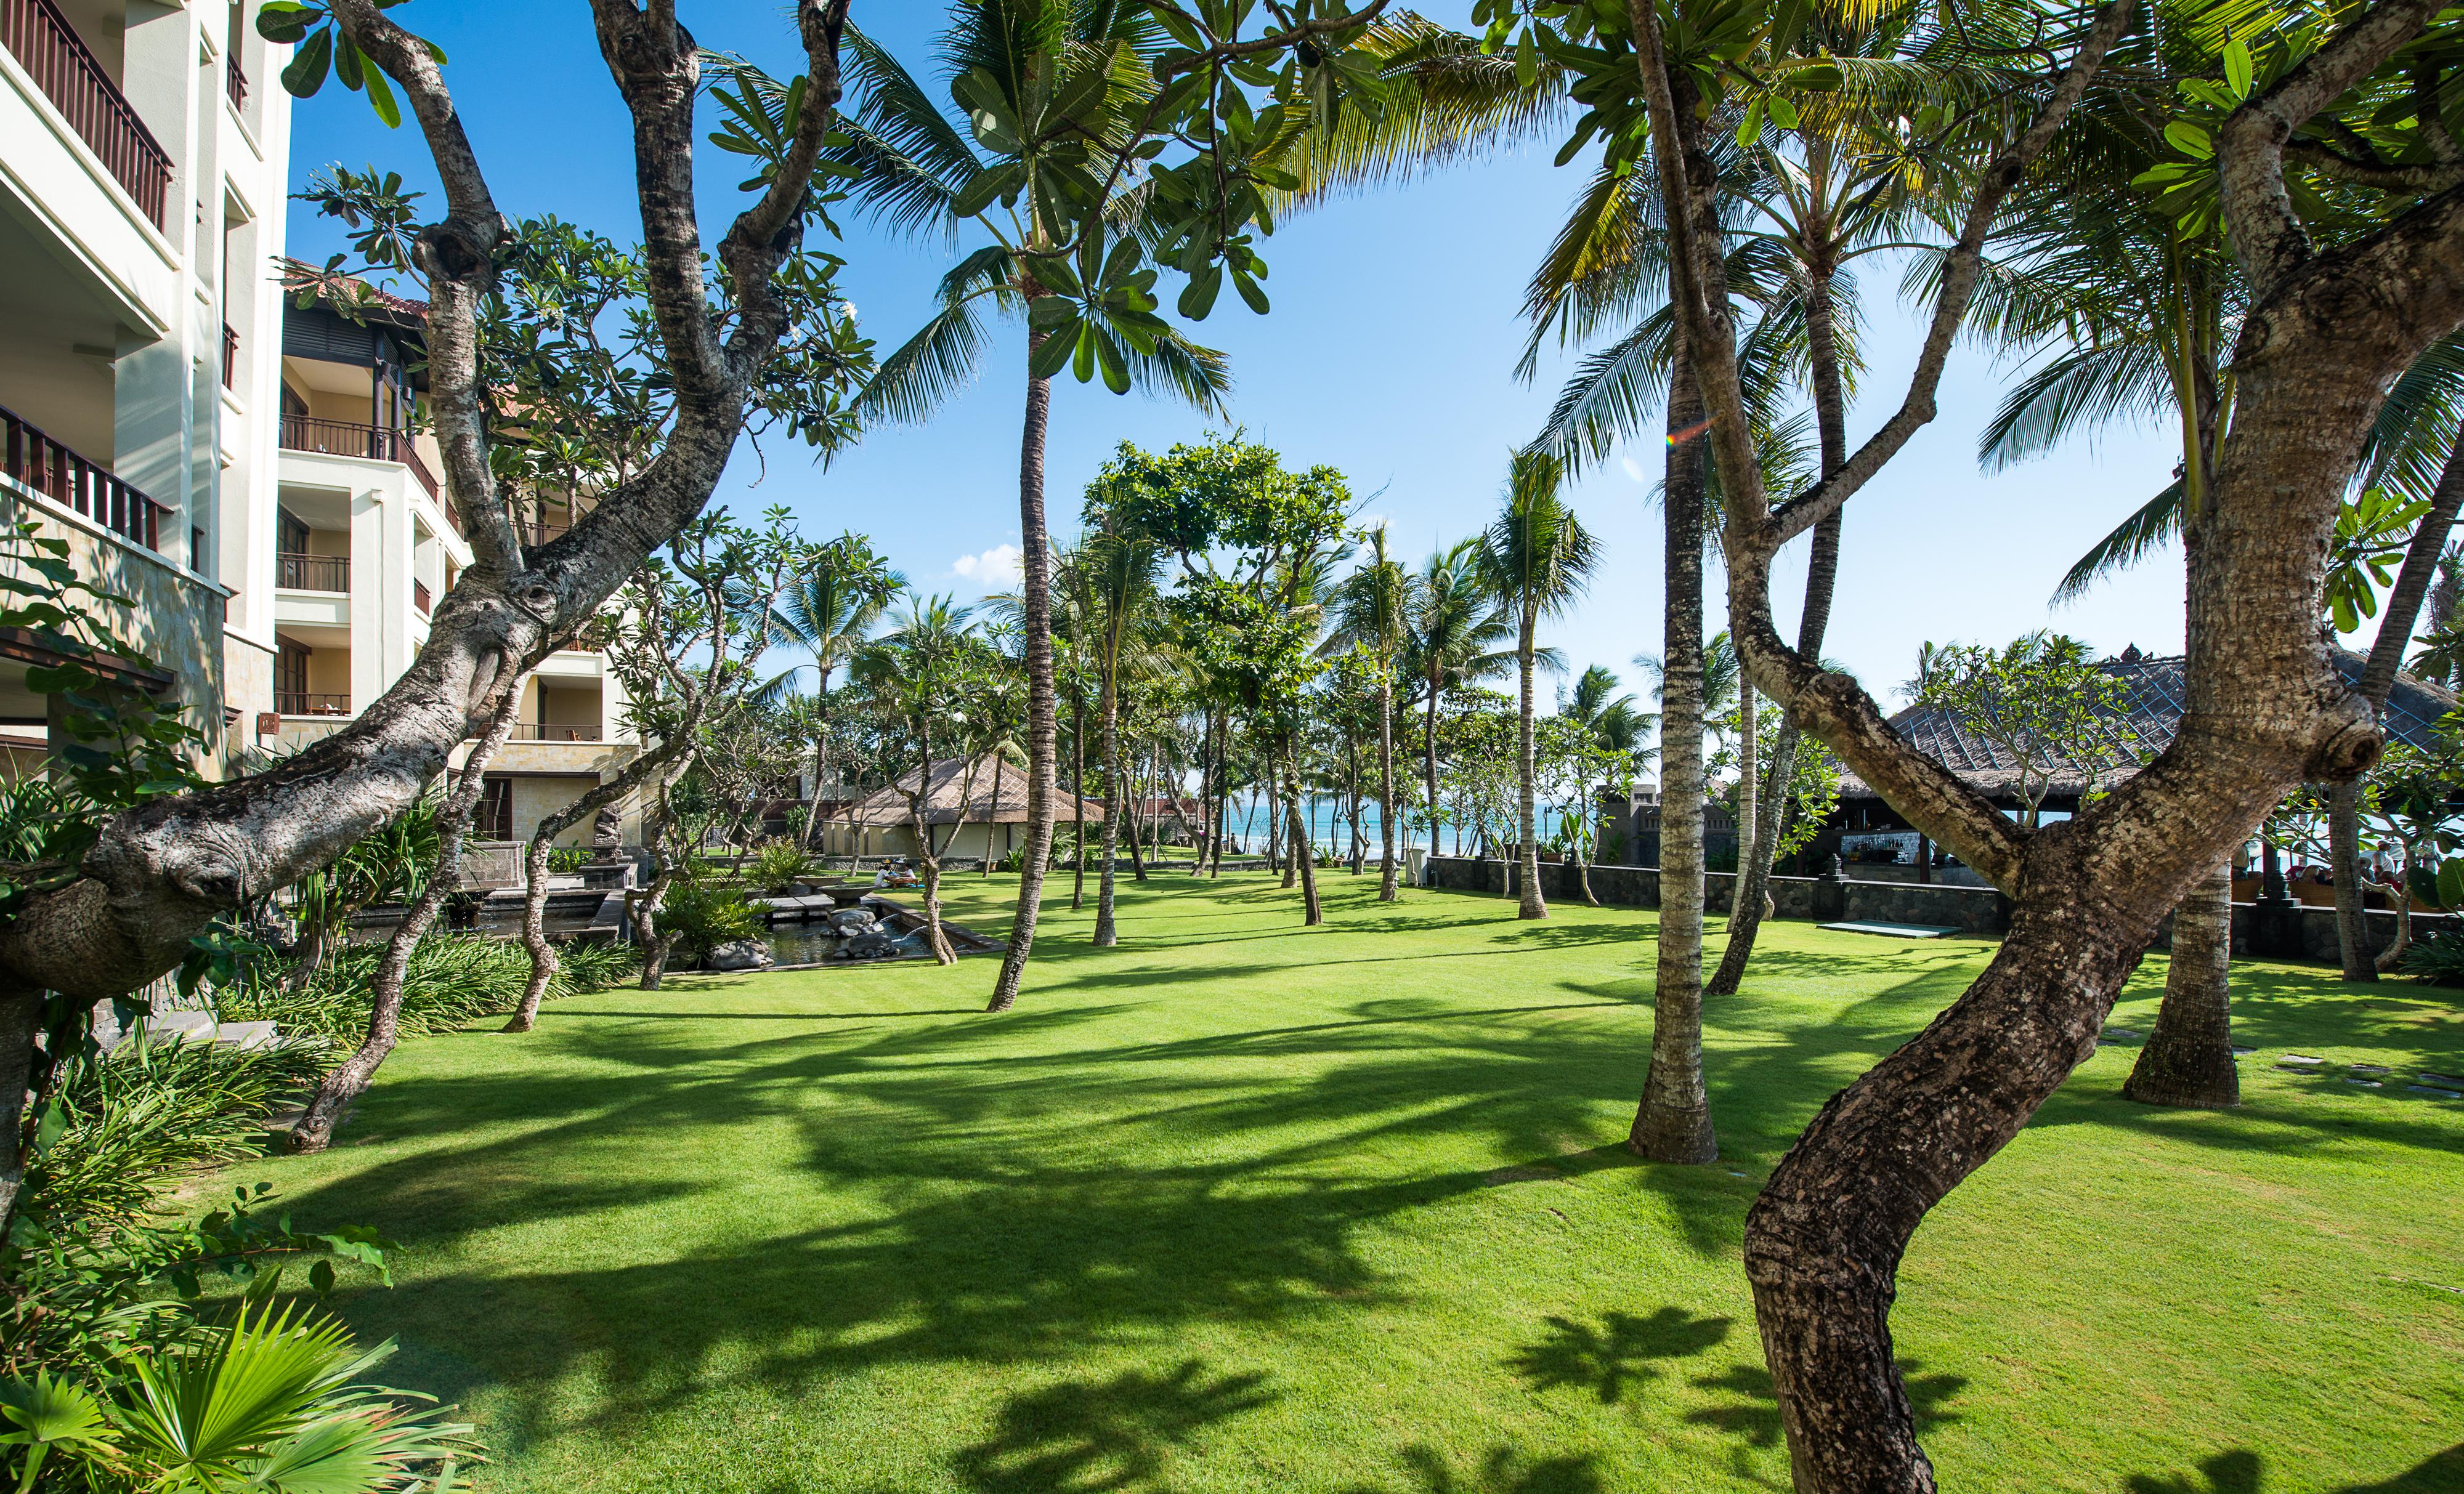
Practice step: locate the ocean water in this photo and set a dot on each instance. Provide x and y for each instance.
(1247, 824)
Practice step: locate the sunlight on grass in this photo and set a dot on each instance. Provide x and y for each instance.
(1239, 1207)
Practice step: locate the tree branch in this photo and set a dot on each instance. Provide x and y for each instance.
(2422, 178)
(458, 256)
(1960, 270)
(2259, 219)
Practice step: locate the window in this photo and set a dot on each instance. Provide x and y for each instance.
(290, 669)
(292, 535)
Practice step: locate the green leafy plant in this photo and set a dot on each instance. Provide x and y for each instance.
(276, 1401)
(706, 909)
(778, 863)
(119, 1124)
(566, 860)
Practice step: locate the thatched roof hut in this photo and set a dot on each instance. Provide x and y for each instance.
(886, 808)
(2156, 692)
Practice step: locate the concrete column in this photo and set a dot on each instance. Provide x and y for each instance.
(370, 585)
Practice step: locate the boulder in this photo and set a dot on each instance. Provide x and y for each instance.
(739, 954)
(848, 922)
(872, 944)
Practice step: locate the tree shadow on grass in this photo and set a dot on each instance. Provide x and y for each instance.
(1618, 1355)
(1505, 1470)
(1081, 1437)
(1749, 1408)
(2240, 1471)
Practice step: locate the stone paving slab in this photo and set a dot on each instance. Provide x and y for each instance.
(1895, 931)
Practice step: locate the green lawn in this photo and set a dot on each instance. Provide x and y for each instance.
(1239, 1207)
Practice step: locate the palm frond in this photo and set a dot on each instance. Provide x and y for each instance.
(2077, 387)
(2156, 522)
(941, 359)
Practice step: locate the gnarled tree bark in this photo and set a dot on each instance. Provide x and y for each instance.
(2265, 709)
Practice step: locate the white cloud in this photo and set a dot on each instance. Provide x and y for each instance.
(995, 568)
(1633, 469)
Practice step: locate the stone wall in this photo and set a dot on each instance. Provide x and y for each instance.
(1972, 909)
(2277, 934)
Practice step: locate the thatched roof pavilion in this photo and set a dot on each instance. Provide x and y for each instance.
(2151, 713)
(886, 808)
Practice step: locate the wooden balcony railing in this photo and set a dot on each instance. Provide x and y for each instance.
(235, 83)
(349, 438)
(302, 702)
(231, 357)
(419, 595)
(551, 731)
(74, 483)
(313, 572)
(47, 47)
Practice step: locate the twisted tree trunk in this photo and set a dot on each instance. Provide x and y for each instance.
(1673, 1124)
(542, 952)
(315, 1129)
(1042, 723)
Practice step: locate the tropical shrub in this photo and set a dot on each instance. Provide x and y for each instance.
(118, 1125)
(455, 978)
(2437, 958)
(275, 1400)
(706, 907)
(776, 864)
(566, 860)
(583, 967)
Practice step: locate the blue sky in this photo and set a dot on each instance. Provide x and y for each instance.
(1389, 354)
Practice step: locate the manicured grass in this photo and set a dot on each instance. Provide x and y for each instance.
(1238, 1207)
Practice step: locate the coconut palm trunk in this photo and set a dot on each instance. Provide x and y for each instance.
(1078, 793)
(1527, 853)
(1673, 1124)
(1429, 761)
(1745, 909)
(1386, 878)
(1109, 745)
(1304, 856)
(1043, 724)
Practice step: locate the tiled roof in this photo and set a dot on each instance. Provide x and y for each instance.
(2155, 689)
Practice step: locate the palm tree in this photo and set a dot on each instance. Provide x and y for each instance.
(1373, 609)
(830, 610)
(1041, 86)
(1121, 570)
(924, 671)
(1535, 559)
(1453, 631)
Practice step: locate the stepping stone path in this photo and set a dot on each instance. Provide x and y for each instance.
(2300, 1063)
(2369, 1068)
(2366, 1083)
(2242, 1052)
(2434, 1090)
(2448, 1080)
(2112, 1035)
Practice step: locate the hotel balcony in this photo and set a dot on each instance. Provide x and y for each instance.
(85, 488)
(65, 69)
(352, 438)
